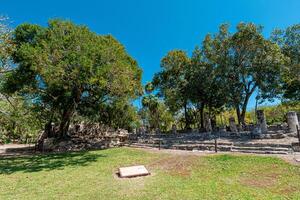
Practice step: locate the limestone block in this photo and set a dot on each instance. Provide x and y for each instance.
(174, 129)
(292, 120)
(232, 125)
(208, 126)
(261, 121)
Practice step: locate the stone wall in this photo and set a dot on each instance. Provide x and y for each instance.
(252, 131)
(86, 136)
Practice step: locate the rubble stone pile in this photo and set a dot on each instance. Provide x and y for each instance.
(87, 136)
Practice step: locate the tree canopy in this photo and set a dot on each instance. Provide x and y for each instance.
(64, 68)
(172, 82)
(224, 71)
(289, 41)
(249, 63)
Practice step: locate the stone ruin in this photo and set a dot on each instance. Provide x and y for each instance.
(87, 136)
(282, 130)
(292, 120)
(232, 125)
(261, 121)
(254, 138)
(253, 131)
(174, 129)
(207, 124)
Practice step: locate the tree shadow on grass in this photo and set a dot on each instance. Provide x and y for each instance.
(46, 162)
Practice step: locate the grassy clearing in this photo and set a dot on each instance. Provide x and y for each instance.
(91, 175)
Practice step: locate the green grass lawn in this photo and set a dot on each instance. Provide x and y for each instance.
(91, 175)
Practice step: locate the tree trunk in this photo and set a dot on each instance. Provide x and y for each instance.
(186, 117)
(45, 134)
(48, 129)
(245, 103)
(238, 113)
(65, 122)
(69, 111)
(244, 109)
(213, 121)
(202, 116)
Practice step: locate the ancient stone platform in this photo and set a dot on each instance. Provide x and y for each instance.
(195, 142)
(133, 171)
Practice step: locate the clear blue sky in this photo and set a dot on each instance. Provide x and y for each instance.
(149, 29)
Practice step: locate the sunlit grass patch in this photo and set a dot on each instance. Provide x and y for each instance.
(91, 175)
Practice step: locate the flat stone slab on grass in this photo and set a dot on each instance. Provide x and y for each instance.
(133, 171)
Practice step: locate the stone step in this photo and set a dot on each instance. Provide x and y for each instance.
(247, 144)
(203, 148)
(185, 142)
(229, 148)
(141, 146)
(243, 144)
(208, 143)
(260, 152)
(238, 144)
(267, 148)
(210, 147)
(183, 147)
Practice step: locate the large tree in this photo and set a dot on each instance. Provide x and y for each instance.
(150, 104)
(65, 67)
(172, 83)
(289, 41)
(154, 112)
(206, 88)
(249, 63)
